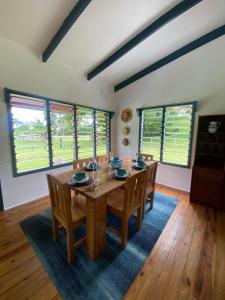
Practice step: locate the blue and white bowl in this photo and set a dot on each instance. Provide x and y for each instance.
(116, 164)
(140, 158)
(121, 173)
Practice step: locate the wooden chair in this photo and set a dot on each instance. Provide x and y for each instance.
(80, 163)
(150, 185)
(102, 158)
(124, 203)
(148, 157)
(65, 213)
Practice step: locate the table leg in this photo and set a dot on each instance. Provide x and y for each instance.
(96, 226)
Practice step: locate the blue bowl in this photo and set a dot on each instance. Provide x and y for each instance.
(116, 165)
(141, 164)
(79, 176)
(121, 172)
(140, 158)
(115, 159)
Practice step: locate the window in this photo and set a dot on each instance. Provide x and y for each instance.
(93, 132)
(85, 132)
(152, 131)
(62, 132)
(46, 133)
(30, 133)
(166, 132)
(102, 132)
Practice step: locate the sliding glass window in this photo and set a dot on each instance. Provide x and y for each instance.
(166, 132)
(46, 133)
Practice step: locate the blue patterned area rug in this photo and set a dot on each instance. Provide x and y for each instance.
(113, 273)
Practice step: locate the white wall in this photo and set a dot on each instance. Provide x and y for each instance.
(20, 69)
(199, 75)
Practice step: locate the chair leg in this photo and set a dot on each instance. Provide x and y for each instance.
(140, 217)
(70, 250)
(152, 200)
(55, 229)
(124, 233)
(142, 211)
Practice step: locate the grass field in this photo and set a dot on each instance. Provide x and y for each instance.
(175, 150)
(33, 154)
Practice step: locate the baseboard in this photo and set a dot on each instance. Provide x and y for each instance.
(46, 197)
(173, 188)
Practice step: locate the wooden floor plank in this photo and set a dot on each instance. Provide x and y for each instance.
(46, 292)
(188, 272)
(187, 262)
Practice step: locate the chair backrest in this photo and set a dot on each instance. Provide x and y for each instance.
(134, 190)
(102, 158)
(146, 156)
(60, 197)
(151, 174)
(80, 163)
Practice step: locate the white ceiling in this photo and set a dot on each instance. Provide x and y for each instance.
(103, 27)
(32, 22)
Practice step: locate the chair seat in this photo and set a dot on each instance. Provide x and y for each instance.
(115, 200)
(78, 207)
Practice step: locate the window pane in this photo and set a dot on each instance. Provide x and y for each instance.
(85, 132)
(62, 129)
(151, 132)
(102, 133)
(177, 133)
(29, 133)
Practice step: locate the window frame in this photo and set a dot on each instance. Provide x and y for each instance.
(7, 96)
(164, 106)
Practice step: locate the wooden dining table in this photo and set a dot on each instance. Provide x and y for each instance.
(96, 204)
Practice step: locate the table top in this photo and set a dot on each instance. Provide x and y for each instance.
(106, 185)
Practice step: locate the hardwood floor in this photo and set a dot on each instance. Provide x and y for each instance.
(187, 262)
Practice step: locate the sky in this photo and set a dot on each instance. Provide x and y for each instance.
(27, 115)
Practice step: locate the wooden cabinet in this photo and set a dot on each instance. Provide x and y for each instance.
(208, 175)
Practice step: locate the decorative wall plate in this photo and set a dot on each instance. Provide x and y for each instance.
(126, 130)
(125, 141)
(126, 115)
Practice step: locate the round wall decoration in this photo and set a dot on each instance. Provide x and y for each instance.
(126, 115)
(125, 141)
(126, 130)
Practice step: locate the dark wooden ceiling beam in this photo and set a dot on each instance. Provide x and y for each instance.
(65, 27)
(212, 35)
(140, 37)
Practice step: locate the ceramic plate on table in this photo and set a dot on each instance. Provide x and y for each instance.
(118, 177)
(74, 181)
(120, 173)
(138, 167)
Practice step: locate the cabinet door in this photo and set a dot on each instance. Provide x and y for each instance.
(223, 199)
(207, 186)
